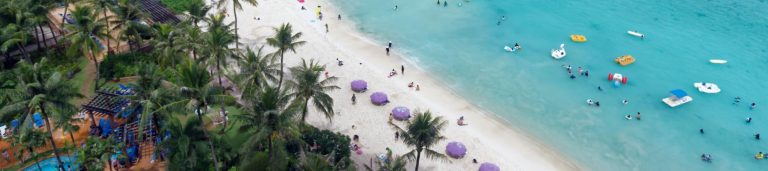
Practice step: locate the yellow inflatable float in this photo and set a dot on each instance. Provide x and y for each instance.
(578, 38)
(625, 60)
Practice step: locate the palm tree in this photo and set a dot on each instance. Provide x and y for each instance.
(29, 140)
(422, 132)
(84, 34)
(194, 88)
(236, 5)
(42, 91)
(268, 116)
(66, 8)
(39, 16)
(256, 70)
(185, 152)
(95, 152)
(308, 85)
(126, 12)
(193, 40)
(284, 40)
(149, 93)
(218, 38)
(11, 35)
(104, 6)
(66, 124)
(393, 163)
(167, 45)
(196, 12)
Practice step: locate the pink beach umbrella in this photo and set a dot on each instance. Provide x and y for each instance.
(488, 167)
(401, 113)
(456, 150)
(359, 86)
(301, 1)
(379, 98)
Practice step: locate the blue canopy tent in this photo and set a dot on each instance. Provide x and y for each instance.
(678, 93)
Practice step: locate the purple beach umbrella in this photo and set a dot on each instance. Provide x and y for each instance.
(379, 98)
(359, 86)
(456, 150)
(401, 113)
(488, 167)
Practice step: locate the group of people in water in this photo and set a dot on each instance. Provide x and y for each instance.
(760, 155)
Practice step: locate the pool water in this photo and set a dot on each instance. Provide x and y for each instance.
(49, 164)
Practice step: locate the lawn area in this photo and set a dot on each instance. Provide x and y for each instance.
(179, 6)
(79, 81)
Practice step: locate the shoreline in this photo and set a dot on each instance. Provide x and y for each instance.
(488, 137)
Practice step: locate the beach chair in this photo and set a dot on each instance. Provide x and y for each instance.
(38, 120)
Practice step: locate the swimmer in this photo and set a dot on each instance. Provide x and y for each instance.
(701, 130)
(590, 102)
(706, 157)
(445, 3)
(517, 46)
(395, 8)
(749, 119)
(759, 156)
(586, 73)
(503, 18)
(625, 101)
(638, 116)
(597, 103)
(757, 136)
(753, 106)
(581, 71)
(736, 100)
(629, 117)
(572, 76)
(599, 88)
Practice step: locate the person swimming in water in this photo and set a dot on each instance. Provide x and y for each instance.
(706, 157)
(736, 100)
(628, 117)
(625, 101)
(638, 116)
(517, 46)
(597, 104)
(753, 106)
(757, 136)
(749, 119)
(701, 130)
(599, 88)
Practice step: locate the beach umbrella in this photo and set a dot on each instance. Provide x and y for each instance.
(488, 167)
(401, 113)
(379, 98)
(301, 1)
(359, 86)
(455, 150)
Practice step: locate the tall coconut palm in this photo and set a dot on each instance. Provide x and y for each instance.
(168, 45)
(256, 70)
(39, 16)
(193, 40)
(12, 35)
(422, 132)
(126, 12)
(307, 85)
(196, 93)
(268, 116)
(149, 93)
(393, 163)
(95, 152)
(236, 5)
(43, 91)
(284, 40)
(84, 34)
(68, 124)
(218, 39)
(29, 140)
(103, 6)
(185, 152)
(196, 12)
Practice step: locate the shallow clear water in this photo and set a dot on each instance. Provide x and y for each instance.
(49, 164)
(463, 47)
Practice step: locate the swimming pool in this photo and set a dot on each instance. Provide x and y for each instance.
(49, 164)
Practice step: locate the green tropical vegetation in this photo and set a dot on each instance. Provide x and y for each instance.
(197, 97)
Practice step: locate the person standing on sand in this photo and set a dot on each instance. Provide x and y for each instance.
(417, 87)
(387, 48)
(353, 99)
(390, 44)
(402, 69)
(326, 28)
(339, 16)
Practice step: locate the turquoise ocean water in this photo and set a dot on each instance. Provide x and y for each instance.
(462, 46)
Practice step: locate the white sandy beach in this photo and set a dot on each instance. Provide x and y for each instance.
(487, 138)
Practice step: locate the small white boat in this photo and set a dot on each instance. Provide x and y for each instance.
(636, 34)
(718, 61)
(559, 53)
(710, 88)
(678, 98)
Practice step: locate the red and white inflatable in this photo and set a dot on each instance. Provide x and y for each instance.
(617, 77)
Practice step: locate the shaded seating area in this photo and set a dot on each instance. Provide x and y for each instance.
(158, 13)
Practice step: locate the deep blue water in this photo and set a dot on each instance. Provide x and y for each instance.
(463, 47)
(49, 164)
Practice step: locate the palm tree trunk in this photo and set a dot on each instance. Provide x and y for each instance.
(109, 164)
(93, 120)
(42, 33)
(304, 111)
(55, 38)
(418, 157)
(24, 53)
(50, 135)
(109, 33)
(271, 152)
(37, 163)
(37, 37)
(237, 35)
(72, 136)
(210, 141)
(95, 63)
(63, 18)
(280, 83)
